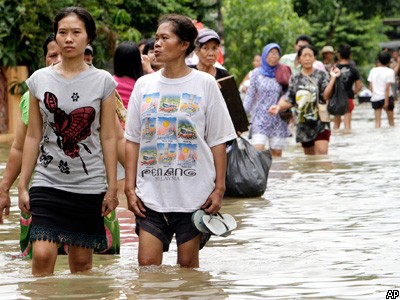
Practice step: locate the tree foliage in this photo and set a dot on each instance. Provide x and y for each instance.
(251, 24)
(357, 23)
(248, 25)
(24, 24)
(367, 9)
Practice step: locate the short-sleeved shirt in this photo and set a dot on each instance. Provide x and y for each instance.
(349, 75)
(124, 87)
(303, 95)
(70, 152)
(177, 122)
(379, 77)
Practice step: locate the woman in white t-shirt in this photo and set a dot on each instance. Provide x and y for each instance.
(176, 130)
(380, 79)
(71, 147)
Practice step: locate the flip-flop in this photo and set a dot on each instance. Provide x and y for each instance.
(230, 222)
(221, 225)
(197, 220)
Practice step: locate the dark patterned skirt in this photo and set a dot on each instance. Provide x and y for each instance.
(67, 218)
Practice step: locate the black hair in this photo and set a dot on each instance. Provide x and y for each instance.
(142, 42)
(384, 58)
(149, 46)
(183, 27)
(311, 47)
(344, 51)
(51, 38)
(305, 38)
(82, 14)
(127, 61)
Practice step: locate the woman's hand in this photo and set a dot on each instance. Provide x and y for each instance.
(386, 105)
(23, 201)
(274, 109)
(135, 205)
(110, 203)
(146, 64)
(335, 72)
(214, 202)
(5, 203)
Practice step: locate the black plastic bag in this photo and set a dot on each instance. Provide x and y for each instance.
(247, 170)
(338, 104)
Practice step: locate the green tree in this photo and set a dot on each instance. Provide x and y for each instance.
(144, 14)
(335, 22)
(368, 9)
(24, 24)
(251, 24)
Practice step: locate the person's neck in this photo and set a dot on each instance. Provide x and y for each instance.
(73, 65)
(208, 69)
(175, 70)
(343, 61)
(308, 71)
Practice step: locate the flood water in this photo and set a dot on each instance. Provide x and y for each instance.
(328, 227)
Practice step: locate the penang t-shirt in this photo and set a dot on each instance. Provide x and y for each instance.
(176, 122)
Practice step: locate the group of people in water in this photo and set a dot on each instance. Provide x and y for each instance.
(307, 94)
(168, 130)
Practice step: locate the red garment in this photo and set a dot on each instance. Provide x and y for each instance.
(124, 88)
(220, 57)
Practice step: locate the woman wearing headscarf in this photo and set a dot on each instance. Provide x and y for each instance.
(264, 91)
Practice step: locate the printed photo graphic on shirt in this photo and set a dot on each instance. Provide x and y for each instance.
(345, 73)
(187, 155)
(148, 156)
(148, 128)
(166, 153)
(70, 128)
(169, 103)
(166, 128)
(186, 130)
(190, 104)
(149, 103)
(306, 104)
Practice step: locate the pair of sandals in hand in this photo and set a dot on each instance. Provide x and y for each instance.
(218, 224)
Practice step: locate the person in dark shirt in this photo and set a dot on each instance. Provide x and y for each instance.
(350, 77)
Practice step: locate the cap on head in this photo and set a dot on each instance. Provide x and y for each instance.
(206, 35)
(88, 50)
(327, 49)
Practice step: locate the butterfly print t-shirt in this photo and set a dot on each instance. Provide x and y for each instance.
(70, 155)
(176, 122)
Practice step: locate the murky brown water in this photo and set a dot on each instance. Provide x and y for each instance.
(327, 228)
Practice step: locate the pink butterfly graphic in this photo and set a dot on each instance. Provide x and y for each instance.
(70, 128)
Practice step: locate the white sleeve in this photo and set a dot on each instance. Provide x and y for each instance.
(219, 126)
(133, 120)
